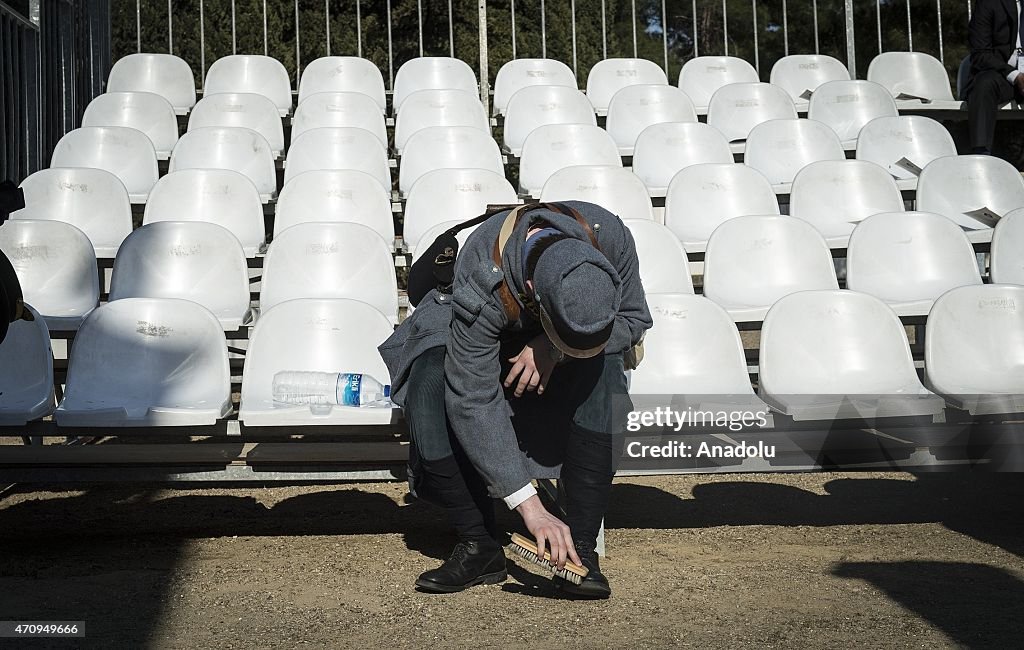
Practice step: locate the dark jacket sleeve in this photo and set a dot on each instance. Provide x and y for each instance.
(634, 317)
(984, 53)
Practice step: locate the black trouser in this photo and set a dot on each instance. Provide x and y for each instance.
(989, 91)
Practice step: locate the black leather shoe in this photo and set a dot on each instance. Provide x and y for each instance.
(473, 562)
(595, 585)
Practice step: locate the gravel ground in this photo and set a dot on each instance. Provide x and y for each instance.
(800, 560)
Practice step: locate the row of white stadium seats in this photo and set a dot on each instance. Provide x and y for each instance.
(824, 355)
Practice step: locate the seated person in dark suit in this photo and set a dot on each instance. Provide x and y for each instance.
(996, 64)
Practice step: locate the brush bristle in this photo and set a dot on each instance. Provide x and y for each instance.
(528, 551)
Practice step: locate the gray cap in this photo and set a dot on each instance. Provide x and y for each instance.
(578, 292)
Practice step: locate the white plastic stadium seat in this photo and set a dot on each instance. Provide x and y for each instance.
(914, 76)
(330, 260)
(701, 197)
(974, 350)
(426, 108)
(163, 74)
(663, 149)
(432, 233)
(550, 148)
(191, 260)
(335, 335)
(702, 76)
(452, 195)
(955, 185)
(613, 188)
(1008, 249)
(887, 140)
(799, 73)
(339, 147)
(737, 108)
(634, 108)
(251, 73)
(92, 200)
(56, 267)
(26, 373)
(536, 106)
(751, 262)
(847, 106)
(609, 76)
(343, 74)
(517, 74)
(335, 195)
(147, 362)
(445, 147)
(664, 267)
(431, 73)
(250, 110)
(839, 355)
(125, 152)
(835, 195)
(339, 109)
(218, 196)
(779, 149)
(146, 112)
(228, 147)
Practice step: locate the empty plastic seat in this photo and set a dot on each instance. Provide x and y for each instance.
(536, 106)
(799, 73)
(341, 147)
(847, 106)
(737, 108)
(702, 76)
(314, 335)
(1008, 249)
(751, 262)
(92, 200)
(191, 260)
(912, 77)
(886, 141)
(664, 267)
(233, 148)
(218, 196)
(251, 73)
(974, 350)
(250, 110)
(125, 152)
(426, 108)
(636, 107)
(146, 112)
(835, 195)
(839, 355)
(956, 185)
(163, 74)
(663, 149)
(335, 195)
(452, 195)
(339, 109)
(56, 266)
(26, 373)
(446, 147)
(343, 74)
(432, 233)
(701, 197)
(432, 73)
(517, 74)
(147, 362)
(613, 188)
(609, 76)
(908, 259)
(330, 260)
(781, 148)
(550, 148)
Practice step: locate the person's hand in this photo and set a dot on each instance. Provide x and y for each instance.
(548, 530)
(533, 367)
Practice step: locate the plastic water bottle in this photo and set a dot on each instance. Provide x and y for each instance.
(343, 389)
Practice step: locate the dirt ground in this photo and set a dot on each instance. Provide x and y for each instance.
(808, 561)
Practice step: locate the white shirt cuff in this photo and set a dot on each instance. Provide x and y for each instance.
(1012, 77)
(522, 494)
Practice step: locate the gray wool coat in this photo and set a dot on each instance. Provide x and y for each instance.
(473, 325)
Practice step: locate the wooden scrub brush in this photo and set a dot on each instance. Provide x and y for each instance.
(527, 549)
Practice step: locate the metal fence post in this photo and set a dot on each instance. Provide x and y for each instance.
(851, 50)
(484, 75)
